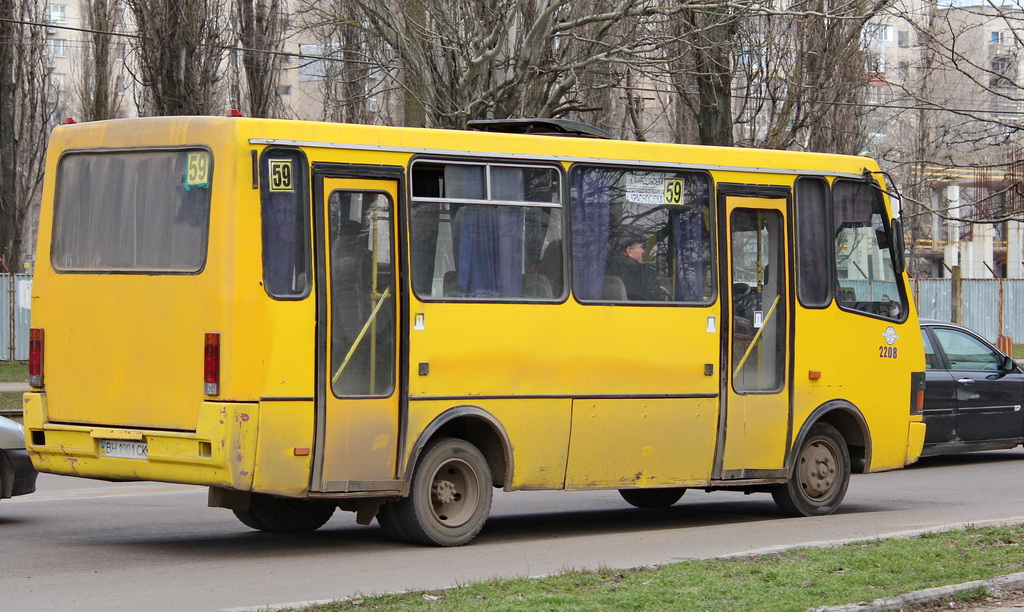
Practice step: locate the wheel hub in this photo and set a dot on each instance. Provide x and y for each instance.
(818, 471)
(445, 492)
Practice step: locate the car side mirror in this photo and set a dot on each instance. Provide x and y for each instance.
(1009, 364)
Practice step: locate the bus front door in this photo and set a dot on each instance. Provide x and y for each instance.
(755, 423)
(357, 317)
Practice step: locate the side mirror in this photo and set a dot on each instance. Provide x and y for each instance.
(899, 262)
(1009, 364)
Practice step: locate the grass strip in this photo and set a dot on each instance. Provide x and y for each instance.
(794, 580)
(11, 401)
(14, 371)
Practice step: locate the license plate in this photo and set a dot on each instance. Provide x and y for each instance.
(124, 449)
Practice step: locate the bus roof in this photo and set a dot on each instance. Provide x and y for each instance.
(165, 131)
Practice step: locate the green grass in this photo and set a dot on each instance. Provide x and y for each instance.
(13, 371)
(11, 401)
(790, 581)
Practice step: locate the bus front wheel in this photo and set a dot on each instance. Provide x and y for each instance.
(652, 498)
(278, 514)
(450, 496)
(820, 476)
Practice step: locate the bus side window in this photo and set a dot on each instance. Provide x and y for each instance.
(641, 236)
(486, 232)
(285, 220)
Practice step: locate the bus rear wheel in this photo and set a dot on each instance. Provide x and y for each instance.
(820, 476)
(450, 496)
(279, 514)
(651, 498)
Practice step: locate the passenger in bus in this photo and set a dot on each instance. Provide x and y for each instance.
(892, 308)
(628, 265)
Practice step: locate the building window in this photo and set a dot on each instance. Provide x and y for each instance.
(877, 32)
(57, 13)
(1003, 72)
(875, 62)
(903, 38)
(58, 47)
(998, 38)
(903, 71)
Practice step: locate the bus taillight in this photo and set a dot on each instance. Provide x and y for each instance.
(211, 364)
(917, 386)
(35, 357)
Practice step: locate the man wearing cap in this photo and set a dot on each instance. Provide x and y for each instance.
(628, 265)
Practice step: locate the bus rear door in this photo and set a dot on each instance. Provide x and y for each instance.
(357, 418)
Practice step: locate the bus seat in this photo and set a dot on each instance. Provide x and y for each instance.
(613, 289)
(536, 286)
(451, 284)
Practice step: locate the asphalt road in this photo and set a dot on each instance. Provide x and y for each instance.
(85, 545)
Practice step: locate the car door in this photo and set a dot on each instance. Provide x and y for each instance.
(939, 395)
(989, 388)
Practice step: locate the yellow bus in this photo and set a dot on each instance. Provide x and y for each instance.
(309, 316)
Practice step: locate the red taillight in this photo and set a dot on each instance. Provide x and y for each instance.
(211, 364)
(35, 357)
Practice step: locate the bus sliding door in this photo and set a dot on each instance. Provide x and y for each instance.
(755, 422)
(357, 381)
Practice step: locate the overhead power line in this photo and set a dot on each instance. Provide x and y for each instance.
(310, 57)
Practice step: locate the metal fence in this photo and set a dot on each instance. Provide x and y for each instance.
(991, 307)
(15, 304)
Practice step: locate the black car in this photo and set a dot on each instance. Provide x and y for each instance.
(974, 393)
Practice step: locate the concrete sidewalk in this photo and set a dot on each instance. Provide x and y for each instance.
(13, 386)
(1012, 586)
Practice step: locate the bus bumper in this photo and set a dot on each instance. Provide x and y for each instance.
(221, 452)
(915, 442)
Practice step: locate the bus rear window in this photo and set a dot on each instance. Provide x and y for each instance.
(132, 211)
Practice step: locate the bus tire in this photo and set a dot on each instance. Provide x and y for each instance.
(450, 496)
(284, 515)
(391, 524)
(652, 498)
(820, 476)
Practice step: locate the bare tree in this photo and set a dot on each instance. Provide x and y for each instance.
(769, 74)
(953, 120)
(29, 103)
(261, 26)
(98, 90)
(465, 59)
(346, 62)
(179, 51)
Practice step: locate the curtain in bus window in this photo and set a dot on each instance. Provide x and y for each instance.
(591, 204)
(689, 247)
(425, 217)
(490, 251)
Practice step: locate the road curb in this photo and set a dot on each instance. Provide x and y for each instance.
(898, 602)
